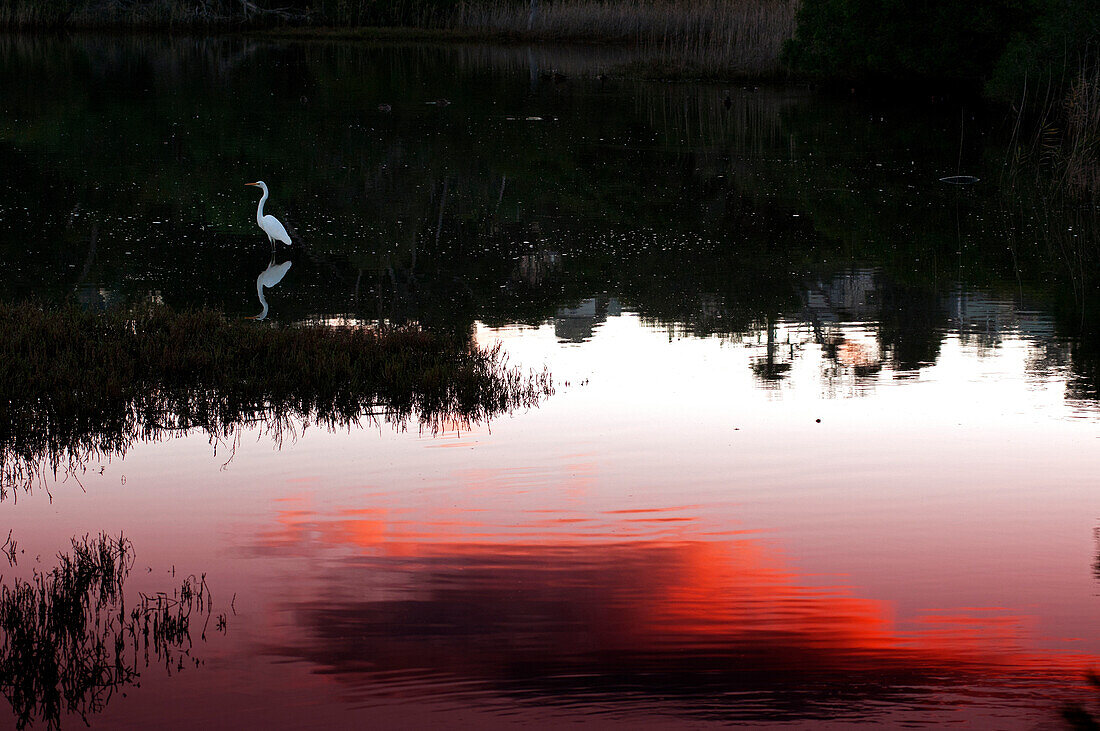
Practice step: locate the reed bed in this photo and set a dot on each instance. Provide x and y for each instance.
(714, 34)
(26, 14)
(78, 386)
(1079, 158)
(705, 36)
(147, 14)
(1063, 151)
(68, 643)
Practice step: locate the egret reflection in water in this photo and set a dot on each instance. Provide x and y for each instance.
(269, 278)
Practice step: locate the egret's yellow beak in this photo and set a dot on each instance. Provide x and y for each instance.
(252, 184)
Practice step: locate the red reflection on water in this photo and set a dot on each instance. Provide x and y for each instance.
(454, 602)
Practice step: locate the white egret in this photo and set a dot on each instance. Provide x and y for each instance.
(268, 278)
(270, 225)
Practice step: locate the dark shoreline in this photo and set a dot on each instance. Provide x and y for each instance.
(647, 67)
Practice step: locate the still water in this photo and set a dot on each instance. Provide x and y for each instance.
(823, 442)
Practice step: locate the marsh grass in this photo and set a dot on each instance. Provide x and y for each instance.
(1078, 161)
(147, 14)
(68, 643)
(77, 386)
(694, 35)
(689, 37)
(1063, 151)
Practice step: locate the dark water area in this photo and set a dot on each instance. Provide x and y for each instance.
(822, 448)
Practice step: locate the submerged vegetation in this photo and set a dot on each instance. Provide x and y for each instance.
(79, 385)
(68, 642)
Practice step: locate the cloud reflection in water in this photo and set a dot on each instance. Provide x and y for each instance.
(710, 627)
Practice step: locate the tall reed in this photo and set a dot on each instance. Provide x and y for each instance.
(1062, 151)
(1079, 156)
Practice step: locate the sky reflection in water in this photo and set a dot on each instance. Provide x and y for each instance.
(728, 603)
(812, 468)
(645, 558)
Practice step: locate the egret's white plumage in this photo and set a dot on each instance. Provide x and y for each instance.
(269, 224)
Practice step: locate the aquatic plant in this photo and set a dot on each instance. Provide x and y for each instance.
(67, 642)
(76, 386)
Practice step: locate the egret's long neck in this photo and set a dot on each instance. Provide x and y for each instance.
(260, 208)
(260, 287)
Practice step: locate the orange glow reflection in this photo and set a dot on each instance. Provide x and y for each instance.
(453, 599)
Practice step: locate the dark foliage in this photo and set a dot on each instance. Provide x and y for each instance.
(1056, 45)
(937, 39)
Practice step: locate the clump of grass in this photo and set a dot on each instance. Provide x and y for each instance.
(67, 643)
(75, 386)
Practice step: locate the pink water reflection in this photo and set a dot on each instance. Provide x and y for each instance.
(664, 540)
(614, 625)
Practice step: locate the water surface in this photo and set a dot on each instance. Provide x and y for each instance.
(824, 437)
